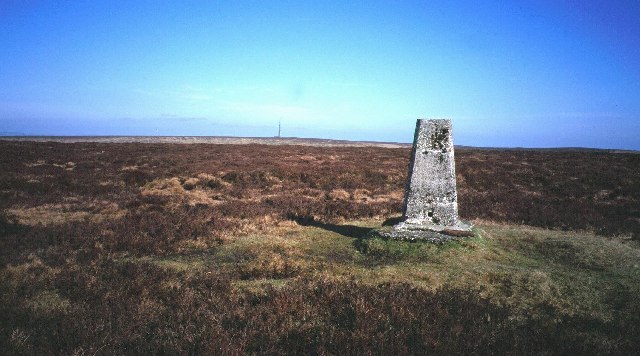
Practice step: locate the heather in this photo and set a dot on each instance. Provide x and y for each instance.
(168, 248)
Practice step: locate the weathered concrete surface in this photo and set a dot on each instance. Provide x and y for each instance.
(431, 202)
(430, 194)
(419, 233)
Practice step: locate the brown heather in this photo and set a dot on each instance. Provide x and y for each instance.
(235, 249)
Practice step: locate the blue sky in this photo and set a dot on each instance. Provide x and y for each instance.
(530, 73)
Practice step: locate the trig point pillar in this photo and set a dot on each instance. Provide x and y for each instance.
(430, 195)
(431, 201)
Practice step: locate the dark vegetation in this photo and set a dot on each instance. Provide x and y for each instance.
(569, 190)
(73, 218)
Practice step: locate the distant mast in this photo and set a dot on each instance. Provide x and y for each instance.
(279, 127)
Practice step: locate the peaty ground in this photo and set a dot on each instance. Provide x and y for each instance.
(164, 248)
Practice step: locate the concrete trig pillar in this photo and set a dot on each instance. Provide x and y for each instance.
(431, 201)
(430, 194)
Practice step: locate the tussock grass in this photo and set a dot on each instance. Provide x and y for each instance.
(300, 288)
(520, 267)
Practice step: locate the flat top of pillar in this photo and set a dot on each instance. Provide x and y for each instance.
(434, 120)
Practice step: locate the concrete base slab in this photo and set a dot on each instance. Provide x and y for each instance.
(430, 233)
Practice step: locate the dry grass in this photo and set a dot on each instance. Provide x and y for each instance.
(56, 214)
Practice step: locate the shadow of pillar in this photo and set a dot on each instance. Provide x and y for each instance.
(344, 230)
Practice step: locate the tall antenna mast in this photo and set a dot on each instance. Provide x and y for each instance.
(279, 127)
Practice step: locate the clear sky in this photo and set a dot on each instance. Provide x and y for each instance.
(508, 73)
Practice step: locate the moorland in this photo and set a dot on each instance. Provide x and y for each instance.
(163, 248)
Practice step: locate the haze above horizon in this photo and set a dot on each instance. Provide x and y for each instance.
(509, 74)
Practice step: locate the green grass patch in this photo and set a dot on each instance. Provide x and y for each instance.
(575, 282)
